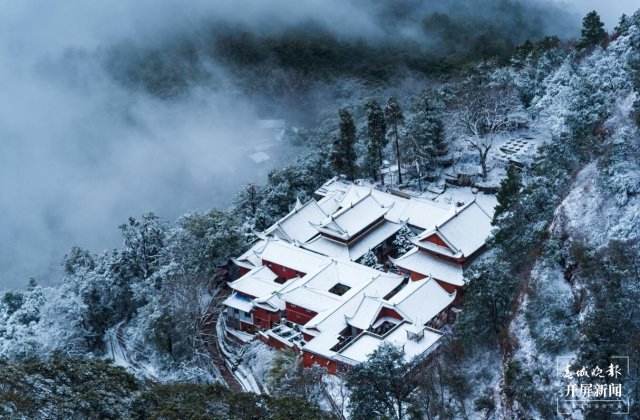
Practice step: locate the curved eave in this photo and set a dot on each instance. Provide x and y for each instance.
(243, 264)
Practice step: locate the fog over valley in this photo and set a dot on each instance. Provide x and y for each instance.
(111, 109)
(79, 153)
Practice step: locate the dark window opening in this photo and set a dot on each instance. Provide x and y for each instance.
(339, 289)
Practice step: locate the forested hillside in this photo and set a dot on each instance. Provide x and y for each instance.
(559, 278)
(562, 275)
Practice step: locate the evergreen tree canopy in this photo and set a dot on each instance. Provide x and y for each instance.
(593, 32)
(394, 116)
(401, 242)
(343, 156)
(509, 190)
(246, 203)
(370, 260)
(489, 293)
(377, 136)
(206, 240)
(81, 388)
(381, 386)
(288, 378)
(635, 65)
(426, 134)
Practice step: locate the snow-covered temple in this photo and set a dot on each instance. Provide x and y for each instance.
(302, 284)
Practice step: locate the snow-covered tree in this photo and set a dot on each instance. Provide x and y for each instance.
(204, 241)
(489, 294)
(381, 387)
(509, 189)
(370, 260)
(296, 181)
(246, 203)
(394, 116)
(376, 136)
(593, 32)
(143, 242)
(288, 378)
(482, 111)
(20, 314)
(343, 156)
(401, 242)
(425, 133)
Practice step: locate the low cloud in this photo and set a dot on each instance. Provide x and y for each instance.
(80, 152)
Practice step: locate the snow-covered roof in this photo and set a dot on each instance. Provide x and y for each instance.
(359, 350)
(287, 255)
(430, 265)
(313, 291)
(378, 287)
(419, 212)
(468, 229)
(330, 323)
(271, 303)
(329, 247)
(274, 300)
(425, 214)
(251, 257)
(330, 203)
(465, 232)
(355, 193)
(349, 221)
(422, 300)
(257, 283)
(238, 302)
(333, 186)
(417, 302)
(296, 226)
(312, 299)
(373, 238)
(344, 272)
(365, 313)
(448, 249)
(343, 292)
(355, 250)
(521, 148)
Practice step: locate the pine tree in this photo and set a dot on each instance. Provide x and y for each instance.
(246, 203)
(426, 134)
(343, 156)
(489, 293)
(509, 190)
(206, 240)
(381, 387)
(521, 53)
(636, 109)
(377, 136)
(289, 378)
(635, 65)
(593, 32)
(394, 117)
(623, 24)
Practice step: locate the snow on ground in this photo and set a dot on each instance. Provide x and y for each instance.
(117, 349)
(233, 355)
(257, 359)
(590, 214)
(595, 214)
